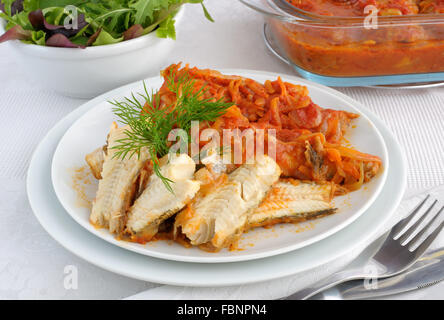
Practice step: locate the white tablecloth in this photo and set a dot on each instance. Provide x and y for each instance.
(32, 263)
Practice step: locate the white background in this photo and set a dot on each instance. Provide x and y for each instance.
(32, 263)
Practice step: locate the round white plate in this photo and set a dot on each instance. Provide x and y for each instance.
(91, 129)
(81, 242)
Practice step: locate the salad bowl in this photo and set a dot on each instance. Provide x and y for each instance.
(86, 73)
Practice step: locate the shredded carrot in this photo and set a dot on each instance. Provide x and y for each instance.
(309, 138)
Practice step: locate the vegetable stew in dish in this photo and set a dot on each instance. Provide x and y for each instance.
(407, 37)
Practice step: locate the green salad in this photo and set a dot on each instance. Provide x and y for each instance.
(80, 23)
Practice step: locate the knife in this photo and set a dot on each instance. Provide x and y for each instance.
(427, 271)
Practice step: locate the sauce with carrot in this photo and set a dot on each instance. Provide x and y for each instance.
(345, 49)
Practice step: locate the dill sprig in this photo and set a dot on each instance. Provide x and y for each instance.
(150, 124)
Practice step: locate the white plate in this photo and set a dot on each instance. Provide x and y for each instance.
(79, 241)
(90, 131)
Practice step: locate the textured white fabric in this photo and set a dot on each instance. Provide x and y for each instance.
(285, 286)
(32, 263)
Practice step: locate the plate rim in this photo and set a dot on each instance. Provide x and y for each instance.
(137, 268)
(95, 103)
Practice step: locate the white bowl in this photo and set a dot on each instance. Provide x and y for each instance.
(85, 73)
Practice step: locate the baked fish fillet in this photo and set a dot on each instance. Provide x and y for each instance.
(95, 161)
(292, 201)
(157, 203)
(117, 186)
(217, 218)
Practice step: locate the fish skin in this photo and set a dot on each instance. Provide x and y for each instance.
(117, 186)
(143, 179)
(293, 200)
(157, 203)
(95, 161)
(220, 216)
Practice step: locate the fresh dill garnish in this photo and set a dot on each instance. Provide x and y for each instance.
(150, 123)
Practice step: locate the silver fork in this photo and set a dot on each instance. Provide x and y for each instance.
(396, 254)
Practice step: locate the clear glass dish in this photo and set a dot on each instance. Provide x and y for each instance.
(356, 51)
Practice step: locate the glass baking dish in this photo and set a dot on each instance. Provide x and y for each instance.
(356, 51)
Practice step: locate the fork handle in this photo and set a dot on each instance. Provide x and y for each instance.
(324, 284)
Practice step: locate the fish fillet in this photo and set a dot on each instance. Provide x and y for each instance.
(117, 186)
(293, 200)
(219, 216)
(157, 203)
(95, 161)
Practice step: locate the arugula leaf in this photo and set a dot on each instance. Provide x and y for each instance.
(206, 13)
(145, 9)
(110, 15)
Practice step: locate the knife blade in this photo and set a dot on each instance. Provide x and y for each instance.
(427, 271)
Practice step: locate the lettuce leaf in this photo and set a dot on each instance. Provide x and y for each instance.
(60, 40)
(166, 29)
(16, 33)
(134, 31)
(105, 38)
(38, 37)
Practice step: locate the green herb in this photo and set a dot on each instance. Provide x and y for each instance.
(151, 124)
(103, 21)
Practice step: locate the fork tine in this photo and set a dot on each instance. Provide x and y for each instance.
(404, 222)
(424, 230)
(406, 234)
(427, 242)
